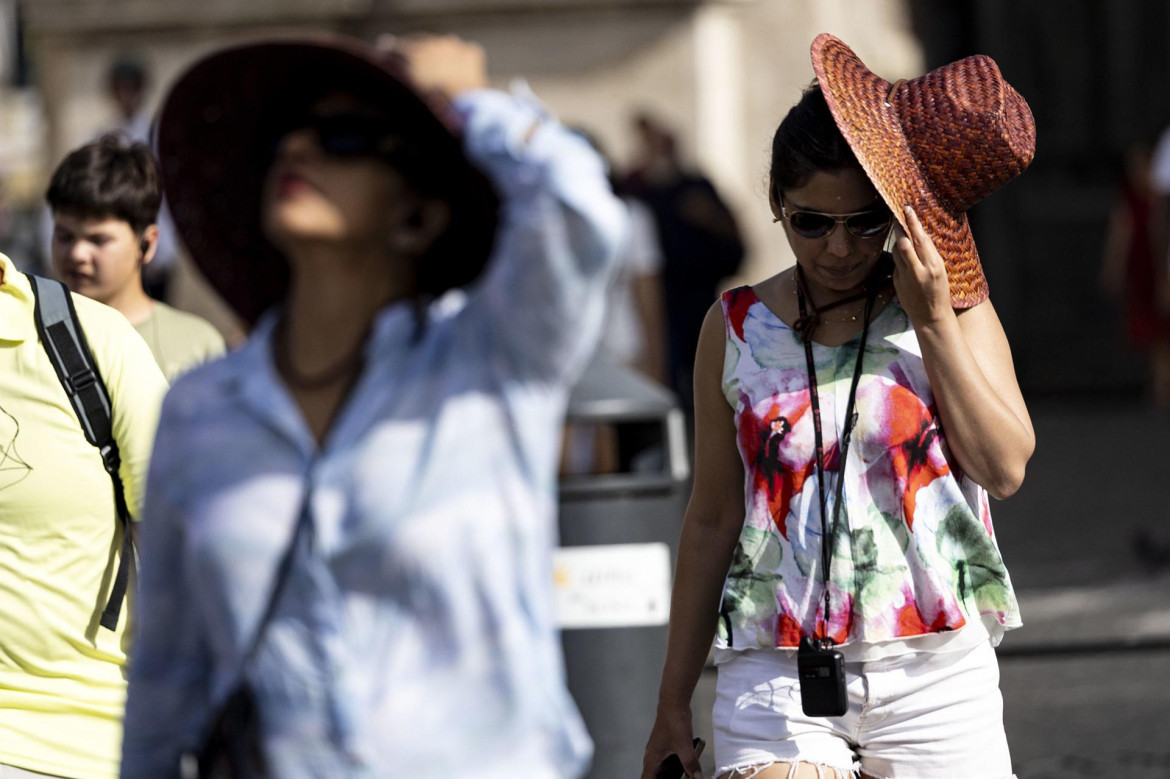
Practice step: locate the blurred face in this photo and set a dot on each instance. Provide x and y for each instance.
(318, 190)
(128, 95)
(96, 257)
(839, 260)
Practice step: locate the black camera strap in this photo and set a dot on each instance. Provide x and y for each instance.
(829, 533)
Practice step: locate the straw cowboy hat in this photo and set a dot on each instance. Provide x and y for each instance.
(939, 143)
(219, 125)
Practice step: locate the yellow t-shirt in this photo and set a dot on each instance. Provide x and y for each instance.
(62, 675)
(179, 341)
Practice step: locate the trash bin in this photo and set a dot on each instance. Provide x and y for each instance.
(619, 535)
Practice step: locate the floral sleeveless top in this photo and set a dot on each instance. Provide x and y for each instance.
(913, 553)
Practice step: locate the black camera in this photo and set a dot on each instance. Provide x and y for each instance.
(822, 678)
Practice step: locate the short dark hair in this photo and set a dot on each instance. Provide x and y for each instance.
(807, 141)
(109, 177)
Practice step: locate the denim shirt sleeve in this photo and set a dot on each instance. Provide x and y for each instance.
(542, 297)
(167, 698)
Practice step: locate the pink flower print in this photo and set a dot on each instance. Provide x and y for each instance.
(774, 472)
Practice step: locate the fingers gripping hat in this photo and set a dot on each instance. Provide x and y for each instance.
(220, 123)
(939, 143)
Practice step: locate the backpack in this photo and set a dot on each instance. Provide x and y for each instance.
(64, 341)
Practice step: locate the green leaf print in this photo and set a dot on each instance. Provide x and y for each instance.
(754, 575)
(865, 557)
(979, 569)
(898, 529)
(874, 583)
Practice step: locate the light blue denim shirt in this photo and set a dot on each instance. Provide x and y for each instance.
(416, 635)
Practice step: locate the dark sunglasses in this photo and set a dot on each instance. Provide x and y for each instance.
(347, 134)
(870, 223)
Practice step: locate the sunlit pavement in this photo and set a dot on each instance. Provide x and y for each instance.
(1086, 681)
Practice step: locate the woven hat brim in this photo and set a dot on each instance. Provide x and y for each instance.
(213, 156)
(857, 99)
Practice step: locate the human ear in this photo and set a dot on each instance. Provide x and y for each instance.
(148, 243)
(420, 226)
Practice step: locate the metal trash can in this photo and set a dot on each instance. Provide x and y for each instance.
(619, 535)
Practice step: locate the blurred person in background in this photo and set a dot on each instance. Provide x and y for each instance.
(853, 413)
(127, 83)
(635, 324)
(700, 240)
(104, 198)
(351, 517)
(1159, 174)
(634, 335)
(1134, 271)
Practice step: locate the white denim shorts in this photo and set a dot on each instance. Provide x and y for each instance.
(917, 716)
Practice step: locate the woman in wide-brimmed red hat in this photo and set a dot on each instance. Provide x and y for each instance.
(346, 552)
(853, 413)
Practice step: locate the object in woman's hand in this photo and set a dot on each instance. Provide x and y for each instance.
(671, 767)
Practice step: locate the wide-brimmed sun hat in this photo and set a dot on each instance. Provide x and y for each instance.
(939, 143)
(218, 128)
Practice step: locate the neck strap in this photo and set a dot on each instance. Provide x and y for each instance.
(829, 533)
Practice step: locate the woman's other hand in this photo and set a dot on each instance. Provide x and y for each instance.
(444, 63)
(672, 734)
(968, 360)
(920, 275)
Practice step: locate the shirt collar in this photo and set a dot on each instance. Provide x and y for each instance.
(255, 379)
(394, 326)
(16, 303)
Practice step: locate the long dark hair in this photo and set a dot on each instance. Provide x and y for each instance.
(806, 141)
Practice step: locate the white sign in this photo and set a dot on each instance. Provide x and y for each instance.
(621, 585)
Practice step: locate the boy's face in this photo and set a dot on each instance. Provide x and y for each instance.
(96, 257)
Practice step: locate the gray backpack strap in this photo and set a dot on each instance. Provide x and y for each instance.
(64, 341)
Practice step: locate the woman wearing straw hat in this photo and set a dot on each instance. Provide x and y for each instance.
(871, 401)
(346, 554)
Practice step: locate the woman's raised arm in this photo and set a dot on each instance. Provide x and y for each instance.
(969, 362)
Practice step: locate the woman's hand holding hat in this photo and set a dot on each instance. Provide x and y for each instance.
(962, 122)
(920, 275)
(444, 63)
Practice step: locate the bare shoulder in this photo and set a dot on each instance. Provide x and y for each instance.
(714, 328)
(774, 284)
(775, 292)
